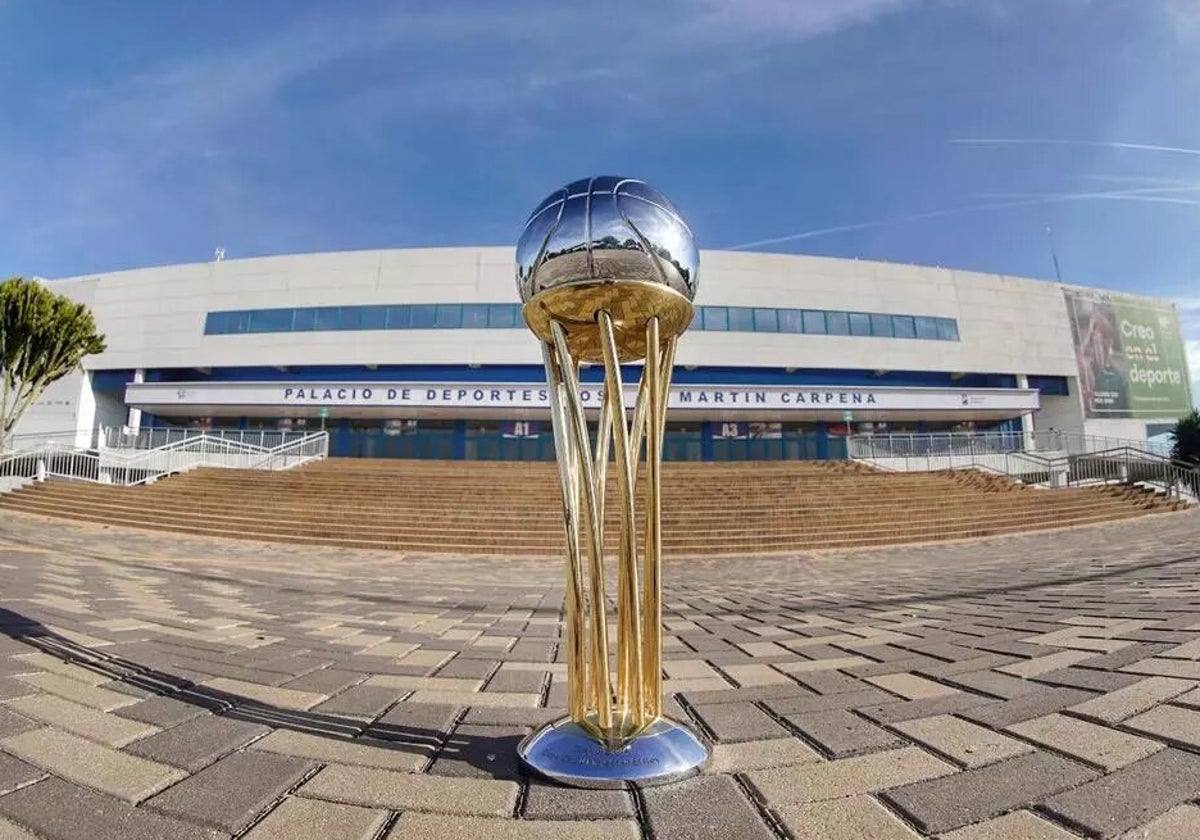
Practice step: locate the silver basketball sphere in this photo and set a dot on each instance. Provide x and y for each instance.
(606, 229)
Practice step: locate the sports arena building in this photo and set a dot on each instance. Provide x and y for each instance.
(424, 353)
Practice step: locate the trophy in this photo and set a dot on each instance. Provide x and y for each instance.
(607, 271)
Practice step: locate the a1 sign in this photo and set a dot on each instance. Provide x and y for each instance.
(847, 415)
(323, 412)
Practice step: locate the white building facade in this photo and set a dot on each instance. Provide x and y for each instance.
(423, 353)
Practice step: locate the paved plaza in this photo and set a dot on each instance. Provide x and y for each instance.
(1038, 687)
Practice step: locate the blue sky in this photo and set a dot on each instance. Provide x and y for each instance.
(148, 132)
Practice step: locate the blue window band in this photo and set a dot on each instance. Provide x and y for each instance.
(480, 316)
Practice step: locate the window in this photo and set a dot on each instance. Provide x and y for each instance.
(448, 316)
(216, 323)
(790, 321)
(947, 329)
(741, 319)
(474, 316)
(814, 322)
(374, 318)
(399, 317)
(904, 326)
(715, 318)
(424, 316)
(304, 320)
(270, 320)
(502, 315)
(766, 320)
(327, 318)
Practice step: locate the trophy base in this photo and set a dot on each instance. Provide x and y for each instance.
(567, 753)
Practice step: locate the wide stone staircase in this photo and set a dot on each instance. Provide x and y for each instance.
(515, 508)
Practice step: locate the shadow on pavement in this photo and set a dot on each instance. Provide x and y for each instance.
(495, 756)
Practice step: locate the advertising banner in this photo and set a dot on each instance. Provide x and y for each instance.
(1131, 356)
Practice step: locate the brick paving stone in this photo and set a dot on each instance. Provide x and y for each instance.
(516, 681)
(1019, 825)
(160, 711)
(757, 755)
(852, 818)
(229, 794)
(546, 801)
(1132, 795)
(12, 831)
(89, 695)
(912, 687)
(832, 664)
(738, 722)
(1004, 686)
(846, 776)
(81, 720)
(1027, 706)
(1177, 824)
(365, 752)
(912, 709)
(411, 792)
(755, 675)
(1115, 706)
(703, 808)
(1088, 679)
(962, 740)
(308, 819)
(841, 733)
(197, 742)
(412, 826)
(468, 668)
(1171, 723)
(1184, 669)
(476, 698)
(364, 702)
(79, 760)
(824, 702)
(58, 810)
(13, 724)
(943, 804)
(1099, 745)
(1191, 699)
(11, 687)
(15, 773)
(327, 681)
(1041, 664)
(284, 698)
(486, 752)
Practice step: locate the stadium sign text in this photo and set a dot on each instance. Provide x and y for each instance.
(481, 395)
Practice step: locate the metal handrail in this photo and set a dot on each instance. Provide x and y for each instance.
(141, 466)
(864, 446)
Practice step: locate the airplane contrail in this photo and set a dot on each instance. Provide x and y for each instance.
(1040, 141)
(957, 211)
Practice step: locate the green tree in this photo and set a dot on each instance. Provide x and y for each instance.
(43, 337)
(1185, 439)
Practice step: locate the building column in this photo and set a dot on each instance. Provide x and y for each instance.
(1027, 440)
(134, 420)
(459, 441)
(706, 440)
(822, 434)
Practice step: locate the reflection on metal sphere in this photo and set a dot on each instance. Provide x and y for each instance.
(607, 243)
(606, 228)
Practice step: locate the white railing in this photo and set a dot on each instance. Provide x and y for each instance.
(159, 436)
(1120, 465)
(959, 444)
(132, 466)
